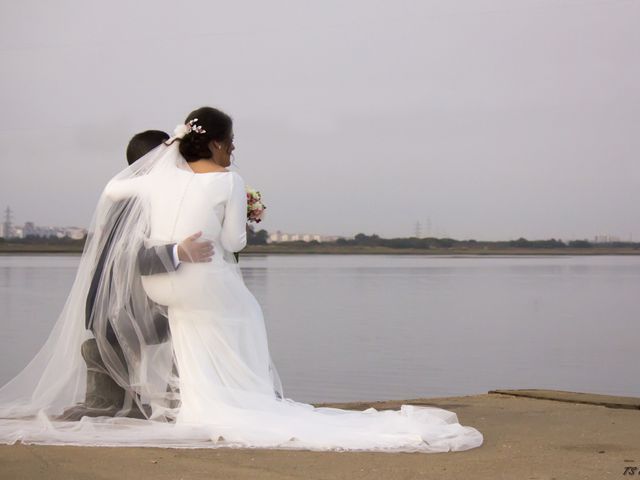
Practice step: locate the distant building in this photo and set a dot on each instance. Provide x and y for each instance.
(75, 233)
(279, 236)
(30, 229)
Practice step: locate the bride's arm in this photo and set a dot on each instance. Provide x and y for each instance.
(234, 225)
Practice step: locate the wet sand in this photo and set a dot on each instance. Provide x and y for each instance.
(547, 437)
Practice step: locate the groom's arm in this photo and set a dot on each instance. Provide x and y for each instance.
(158, 259)
(167, 258)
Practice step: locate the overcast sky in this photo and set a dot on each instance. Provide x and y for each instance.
(486, 119)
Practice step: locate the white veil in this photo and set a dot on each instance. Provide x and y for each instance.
(229, 393)
(132, 339)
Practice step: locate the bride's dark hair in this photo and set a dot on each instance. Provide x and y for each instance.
(217, 126)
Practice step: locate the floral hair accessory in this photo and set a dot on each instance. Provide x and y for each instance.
(181, 130)
(195, 128)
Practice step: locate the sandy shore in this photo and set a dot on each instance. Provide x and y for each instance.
(548, 437)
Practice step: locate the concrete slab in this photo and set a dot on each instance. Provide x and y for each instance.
(610, 401)
(524, 439)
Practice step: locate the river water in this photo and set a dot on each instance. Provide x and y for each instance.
(368, 327)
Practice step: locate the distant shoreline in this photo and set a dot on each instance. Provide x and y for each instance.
(332, 249)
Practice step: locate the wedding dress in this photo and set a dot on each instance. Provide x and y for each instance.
(214, 383)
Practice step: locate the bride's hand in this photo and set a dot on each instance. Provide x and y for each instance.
(190, 250)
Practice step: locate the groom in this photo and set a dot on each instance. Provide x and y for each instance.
(103, 395)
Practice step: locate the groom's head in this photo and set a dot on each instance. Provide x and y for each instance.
(142, 143)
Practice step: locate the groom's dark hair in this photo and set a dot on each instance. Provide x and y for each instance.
(142, 143)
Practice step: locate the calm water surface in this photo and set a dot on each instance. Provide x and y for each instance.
(353, 327)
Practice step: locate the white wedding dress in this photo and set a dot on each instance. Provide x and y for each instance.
(229, 391)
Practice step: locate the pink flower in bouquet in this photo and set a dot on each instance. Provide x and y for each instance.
(255, 207)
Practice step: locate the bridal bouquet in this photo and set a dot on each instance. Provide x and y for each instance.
(255, 207)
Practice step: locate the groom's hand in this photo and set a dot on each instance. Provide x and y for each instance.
(190, 250)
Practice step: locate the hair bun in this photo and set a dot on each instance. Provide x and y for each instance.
(194, 147)
(215, 125)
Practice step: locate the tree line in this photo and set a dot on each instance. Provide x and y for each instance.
(261, 236)
(433, 242)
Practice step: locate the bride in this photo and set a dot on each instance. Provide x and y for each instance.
(213, 383)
